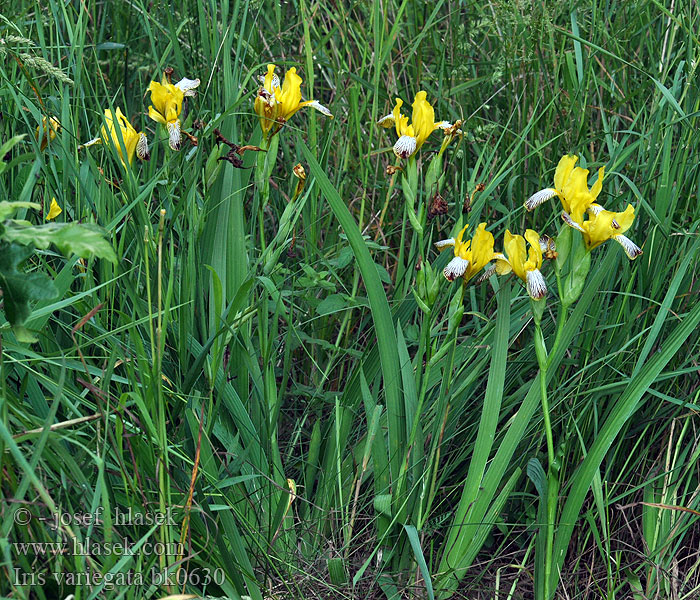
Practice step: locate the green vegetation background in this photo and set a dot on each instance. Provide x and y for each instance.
(207, 368)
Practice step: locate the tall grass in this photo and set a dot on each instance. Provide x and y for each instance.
(265, 369)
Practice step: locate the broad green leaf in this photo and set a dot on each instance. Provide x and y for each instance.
(20, 288)
(85, 240)
(7, 209)
(331, 304)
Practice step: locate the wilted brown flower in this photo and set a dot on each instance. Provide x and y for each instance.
(438, 206)
(480, 187)
(454, 129)
(548, 246)
(236, 151)
(299, 171)
(300, 174)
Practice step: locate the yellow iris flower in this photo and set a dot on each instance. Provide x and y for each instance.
(277, 104)
(469, 256)
(525, 264)
(166, 105)
(571, 186)
(133, 142)
(412, 136)
(604, 225)
(54, 210)
(47, 131)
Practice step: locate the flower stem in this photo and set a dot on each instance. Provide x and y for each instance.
(392, 181)
(561, 321)
(544, 360)
(545, 409)
(551, 501)
(263, 169)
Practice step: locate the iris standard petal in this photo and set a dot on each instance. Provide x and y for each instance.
(577, 198)
(166, 101)
(515, 249)
(270, 80)
(535, 251)
(423, 118)
(525, 264)
(481, 248)
(564, 169)
(156, 116)
(598, 185)
(289, 95)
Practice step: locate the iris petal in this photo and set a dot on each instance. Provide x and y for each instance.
(455, 268)
(539, 197)
(536, 284)
(405, 146)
